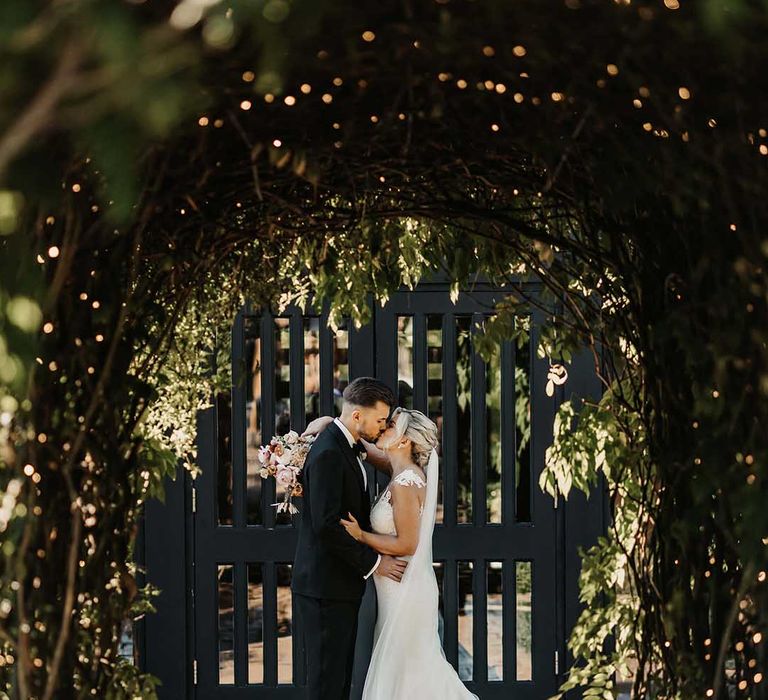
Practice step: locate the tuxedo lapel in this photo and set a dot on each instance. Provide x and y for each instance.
(348, 452)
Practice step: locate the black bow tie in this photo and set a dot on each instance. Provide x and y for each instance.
(359, 449)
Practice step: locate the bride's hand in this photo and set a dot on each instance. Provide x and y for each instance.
(352, 527)
(318, 425)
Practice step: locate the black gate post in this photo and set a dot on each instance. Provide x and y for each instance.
(166, 633)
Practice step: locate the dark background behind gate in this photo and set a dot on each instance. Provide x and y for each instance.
(181, 549)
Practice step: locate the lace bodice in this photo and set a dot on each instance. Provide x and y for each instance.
(382, 515)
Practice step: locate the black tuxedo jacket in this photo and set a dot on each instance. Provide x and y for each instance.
(329, 563)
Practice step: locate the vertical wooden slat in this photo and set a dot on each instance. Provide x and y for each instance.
(297, 372)
(450, 447)
(326, 367)
(362, 362)
(268, 409)
(240, 601)
(479, 621)
(479, 422)
(542, 662)
(239, 418)
(420, 362)
(386, 347)
(510, 620)
(508, 433)
(451, 606)
(270, 624)
(385, 343)
(206, 604)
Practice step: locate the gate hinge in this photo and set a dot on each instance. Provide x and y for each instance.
(194, 500)
(557, 662)
(194, 671)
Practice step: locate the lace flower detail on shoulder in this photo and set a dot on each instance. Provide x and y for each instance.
(408, 477)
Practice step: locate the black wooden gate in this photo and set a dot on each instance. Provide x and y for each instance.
(502, 548)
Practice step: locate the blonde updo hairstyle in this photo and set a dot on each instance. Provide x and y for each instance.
(420, 430)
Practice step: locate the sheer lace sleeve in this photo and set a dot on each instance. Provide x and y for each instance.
(409, 477)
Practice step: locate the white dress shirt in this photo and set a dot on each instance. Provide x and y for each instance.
(351, 441)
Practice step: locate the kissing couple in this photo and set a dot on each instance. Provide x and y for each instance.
(343, 541)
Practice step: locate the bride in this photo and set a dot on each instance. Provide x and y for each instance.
(407, 660)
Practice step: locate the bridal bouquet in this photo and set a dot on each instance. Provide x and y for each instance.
(283, 459)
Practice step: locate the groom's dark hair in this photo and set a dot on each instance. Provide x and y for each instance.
(367, 391)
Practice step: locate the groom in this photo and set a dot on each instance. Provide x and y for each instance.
(331, 567)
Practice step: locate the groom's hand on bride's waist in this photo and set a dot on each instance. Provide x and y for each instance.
(391, 567)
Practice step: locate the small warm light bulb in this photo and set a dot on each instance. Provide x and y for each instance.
(269, 98)
(489, 51)
(249, 76)
(53, 252)
(368, 36)
(75, 187)
(519, 51)
(277, 143)
(306, 88)
(245, 105)
(203, 121)
(494, 127)
(290, 100)
(519, 97)
(327, 98)
(48, 328)
(461, 84)
(612, 69)
(685, 93)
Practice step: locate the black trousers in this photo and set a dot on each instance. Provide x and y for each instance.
(330, 631)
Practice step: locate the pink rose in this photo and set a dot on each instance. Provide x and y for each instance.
(285, 477)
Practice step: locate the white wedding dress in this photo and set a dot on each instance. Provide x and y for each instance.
(408, 662)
